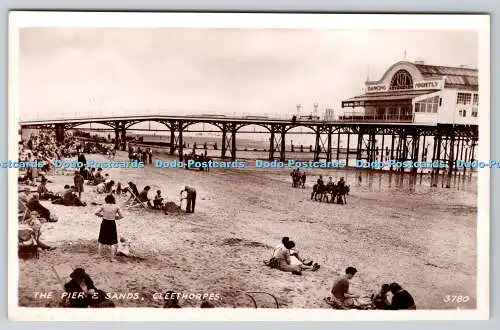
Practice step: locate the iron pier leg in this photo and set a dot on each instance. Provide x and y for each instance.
(338, 145)
(317, 150)
(124, 137)
(271, 144)
(283, 145)
(224, 138)
(329, 145)
(348, 143)
(451, 158)
(392, 149)
(181, 143)
(172, 137)
(117, 136)
(233, 143)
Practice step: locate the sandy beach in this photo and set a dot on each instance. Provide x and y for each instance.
(422, 238)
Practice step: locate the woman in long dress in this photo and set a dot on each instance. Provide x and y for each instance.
(107, 234)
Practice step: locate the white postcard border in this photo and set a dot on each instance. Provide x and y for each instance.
(480, 23)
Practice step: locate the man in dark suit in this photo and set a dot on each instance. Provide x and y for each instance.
(83, 160)
(191, 198)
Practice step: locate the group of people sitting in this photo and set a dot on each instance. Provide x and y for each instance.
(341, 298)
(70, 196)
(30, 232)
(286, 258)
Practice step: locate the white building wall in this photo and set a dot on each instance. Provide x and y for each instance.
(447, 109)
(425, 118)
(449, 112)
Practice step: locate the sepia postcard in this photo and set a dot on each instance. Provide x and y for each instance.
(264, 166)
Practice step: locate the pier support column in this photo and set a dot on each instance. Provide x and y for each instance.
(393, 137)
(382, 148)
(117, 135)
(233, 143)
(124, 136)
(271, 144)
(59, 133)
(359, 148)
(224, 138)
(181, 143)
(329, 145)
(283, 146)
(348, 151)
(371, 147)
(172, 137)
(317, 149)
(451, 158)
(415, 150)
(436, 156)
(338, 144)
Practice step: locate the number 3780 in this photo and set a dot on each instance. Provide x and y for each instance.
(456, 299)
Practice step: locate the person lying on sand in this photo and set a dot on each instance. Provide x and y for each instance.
(284, 260)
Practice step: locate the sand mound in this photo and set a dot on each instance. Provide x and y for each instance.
(171, 207)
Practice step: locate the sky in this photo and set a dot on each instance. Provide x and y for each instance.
(70, 72)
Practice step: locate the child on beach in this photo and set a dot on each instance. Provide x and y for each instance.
(123, 248)
(158, 201)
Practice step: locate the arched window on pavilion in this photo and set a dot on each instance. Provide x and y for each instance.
(401, 80)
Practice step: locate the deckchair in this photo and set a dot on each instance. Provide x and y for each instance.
(136, 200)
(22, 215)
(251, 296)
(59, 270)
(27, 243)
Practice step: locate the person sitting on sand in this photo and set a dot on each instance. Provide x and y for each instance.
(118, 189)
(207, 304)
(123, 248)
(341, 298)
(293, 252)
(34, 205)
(43, 192)
(71, 199)
(36, 225)
(100, 188)
(284, 260)
(81, 291)
(158, 201)
(380, 299)
(171, 300)
(401, 299)
(98, 177)
(91, 175)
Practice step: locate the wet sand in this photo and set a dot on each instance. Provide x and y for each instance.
(423, 238)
